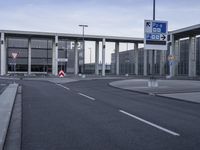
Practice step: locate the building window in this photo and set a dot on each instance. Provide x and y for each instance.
(20, 46)
(41, 55)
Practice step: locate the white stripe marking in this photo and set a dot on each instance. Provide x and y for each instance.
(63, 86)
(91, 98)
(149, 123)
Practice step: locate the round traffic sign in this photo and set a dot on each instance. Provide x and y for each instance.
(171, 58)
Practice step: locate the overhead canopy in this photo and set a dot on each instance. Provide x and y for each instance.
(186, 32)
(71, 36)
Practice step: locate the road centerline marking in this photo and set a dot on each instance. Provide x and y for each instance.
(91, 98)
(63, 86)
(150, 123)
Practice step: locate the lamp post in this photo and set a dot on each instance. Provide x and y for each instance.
(83, 33)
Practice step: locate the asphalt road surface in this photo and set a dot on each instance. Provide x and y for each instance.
(90, 115)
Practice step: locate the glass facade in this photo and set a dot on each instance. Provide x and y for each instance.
(20, 46)
(66, 50)
(41, 55)
(184, 58)
(141, 62)
(126, 62)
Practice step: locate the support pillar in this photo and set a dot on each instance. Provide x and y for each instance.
(192, 56)
(136, 57)
(75, 58)
(162, 62)
(117, 58)
(176, 45)
(3, 54)
(103, 56)
(97, 57)
(29, 56)
(171, 52)
(55, 57)
(150, 56)
(145, 63)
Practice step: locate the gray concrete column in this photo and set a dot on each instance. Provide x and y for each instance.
(150, 60)
(103, 56)
(136, 57)
(176, 52)
(75, 57)
(117, 58)
(171, 52)
(192, 56)
(55, 57)
(97, 57)
(145, 63)
(29, 56)
(3, 54)
(162, 62)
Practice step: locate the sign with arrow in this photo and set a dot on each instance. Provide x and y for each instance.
(61, 73)
(155, 35)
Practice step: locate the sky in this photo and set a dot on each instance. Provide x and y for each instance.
(104, 17)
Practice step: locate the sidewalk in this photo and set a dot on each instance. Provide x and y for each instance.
(6, 105)
(187, 90)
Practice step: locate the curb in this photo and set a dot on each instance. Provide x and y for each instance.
(130, 90)
(14, 133)
(153, 94)
(177, 99)
(7, 99)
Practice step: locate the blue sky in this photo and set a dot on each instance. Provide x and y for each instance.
(104, 17)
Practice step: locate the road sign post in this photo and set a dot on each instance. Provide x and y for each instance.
(14, 56)
(155, 38)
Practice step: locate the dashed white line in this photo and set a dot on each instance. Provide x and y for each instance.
(91, 98)
(149, 123)
(63, 86)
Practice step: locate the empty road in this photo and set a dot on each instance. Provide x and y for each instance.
(91, 115)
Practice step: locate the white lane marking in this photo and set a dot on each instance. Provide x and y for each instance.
(63, 86)
(149, 123)
(91, 98)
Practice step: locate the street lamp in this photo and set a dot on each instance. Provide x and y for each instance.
(83, 32)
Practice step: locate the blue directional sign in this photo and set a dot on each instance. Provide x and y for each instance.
(155, 35)
(159, 27)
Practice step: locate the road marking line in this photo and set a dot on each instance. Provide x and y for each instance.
(149, 123)
(63, 86)
(91, 98)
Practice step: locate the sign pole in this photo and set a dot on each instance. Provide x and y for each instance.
(14, 56)
(153, 51)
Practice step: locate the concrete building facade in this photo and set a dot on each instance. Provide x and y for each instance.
(184, 45)
(40, 52)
